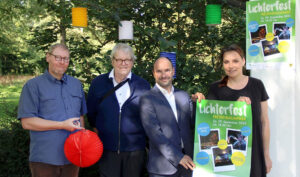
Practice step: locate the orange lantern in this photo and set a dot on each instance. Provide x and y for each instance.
(79, 16)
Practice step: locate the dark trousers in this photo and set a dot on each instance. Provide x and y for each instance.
(39, 169)
(124, 164)
(181, 172)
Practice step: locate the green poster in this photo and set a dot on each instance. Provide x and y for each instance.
(270, 34)
(223, 139)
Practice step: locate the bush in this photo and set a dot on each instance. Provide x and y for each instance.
(14, 150)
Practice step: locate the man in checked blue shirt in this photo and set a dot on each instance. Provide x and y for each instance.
(51, 106)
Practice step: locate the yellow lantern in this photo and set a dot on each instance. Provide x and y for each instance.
(79, 16)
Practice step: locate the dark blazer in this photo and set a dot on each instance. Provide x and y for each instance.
(164, 132)
(118, 130)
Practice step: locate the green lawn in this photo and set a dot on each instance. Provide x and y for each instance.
(10, 90)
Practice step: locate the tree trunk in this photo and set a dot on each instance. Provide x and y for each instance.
(62, 33)
(62, 25)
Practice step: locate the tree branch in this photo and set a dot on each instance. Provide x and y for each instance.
(234, 3)
(238, 3)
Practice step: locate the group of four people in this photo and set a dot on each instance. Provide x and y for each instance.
(127, 114)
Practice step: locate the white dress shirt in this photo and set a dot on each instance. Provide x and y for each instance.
(170, 97)
(123, 93)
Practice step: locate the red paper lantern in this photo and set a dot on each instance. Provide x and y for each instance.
(83, 148)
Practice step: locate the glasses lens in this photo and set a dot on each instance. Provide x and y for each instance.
(59, 58)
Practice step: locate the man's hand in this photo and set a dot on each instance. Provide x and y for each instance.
(187, 162)
(197, 96)
(71, 124)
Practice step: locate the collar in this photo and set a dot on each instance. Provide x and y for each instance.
(53, 79)
(112, 76)
(164, 91)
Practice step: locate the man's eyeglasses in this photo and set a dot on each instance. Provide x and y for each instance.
(59, 58)
(120, 61)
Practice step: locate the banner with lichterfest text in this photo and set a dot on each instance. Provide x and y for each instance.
(223, 139)
(270, 34)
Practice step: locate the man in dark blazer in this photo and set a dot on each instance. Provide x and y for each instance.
(117, 119)
(167, 119)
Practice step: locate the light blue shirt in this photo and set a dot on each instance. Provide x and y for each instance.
(51, 99)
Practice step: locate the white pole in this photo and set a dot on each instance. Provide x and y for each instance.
(283, 87)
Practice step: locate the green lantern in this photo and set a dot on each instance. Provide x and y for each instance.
(213, 14)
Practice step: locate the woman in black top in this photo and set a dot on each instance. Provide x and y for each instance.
(237, 86)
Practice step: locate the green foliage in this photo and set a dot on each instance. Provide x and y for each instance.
(29, 27)
(14, 151)
(15, 52)
(175, 26)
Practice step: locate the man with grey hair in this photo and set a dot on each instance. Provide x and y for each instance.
(51, 106)
(113, 111)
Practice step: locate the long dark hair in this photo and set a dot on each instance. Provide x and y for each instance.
(232, 47)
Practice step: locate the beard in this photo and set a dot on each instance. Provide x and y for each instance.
(164, 84)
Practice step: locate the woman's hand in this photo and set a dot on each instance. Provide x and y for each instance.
(268, 162)
(197, 96)
(245, 99)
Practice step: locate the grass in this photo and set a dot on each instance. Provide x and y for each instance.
(10, 90)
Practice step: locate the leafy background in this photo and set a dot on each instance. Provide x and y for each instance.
(29, 27)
